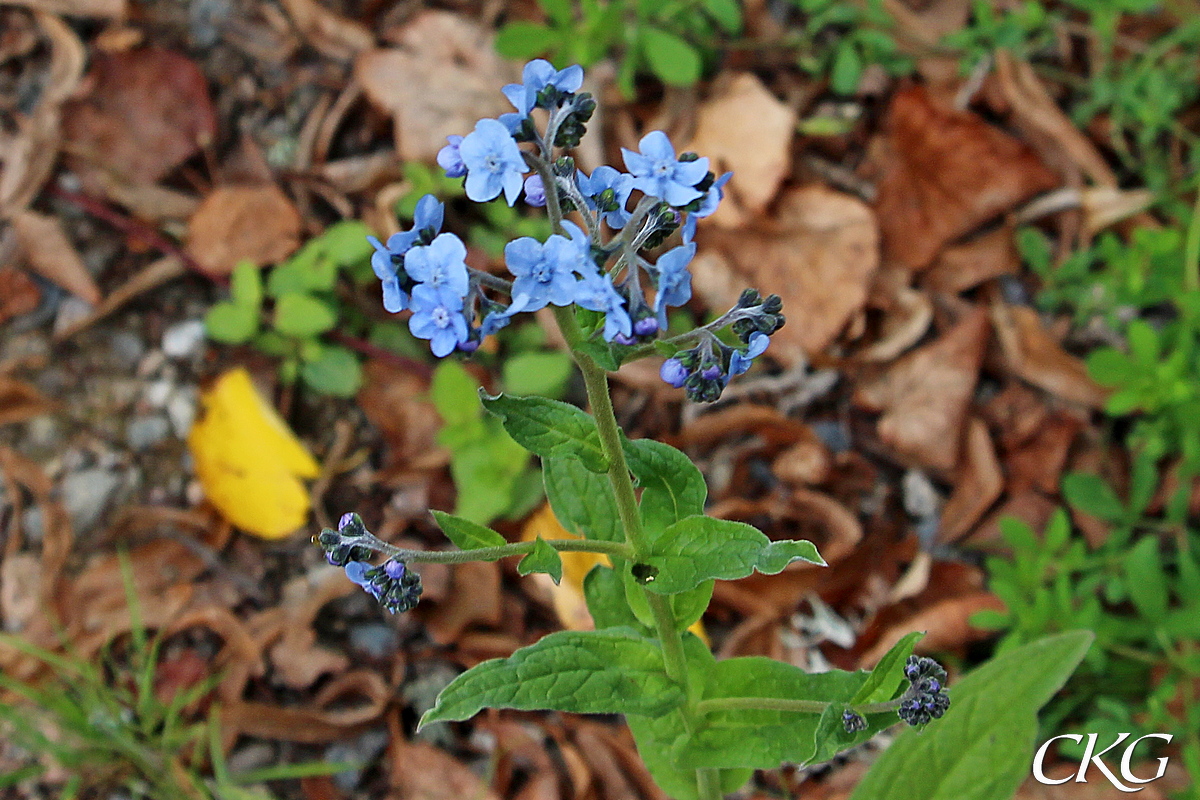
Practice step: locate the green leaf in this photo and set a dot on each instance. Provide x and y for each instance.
(301, 315)
(465, 534)
(544, 374)
(888, 675)
(727, 13)
(522, 40)
(486, 471)
(1147, 581)
(670, 58)
(604, 354)
(542, 558)
(698, 548)
(309, 270)
(550, 428)
(1090, 494)
(228, 323)
(245, 286)
(455, 394)
(981, 749)
(335, 371)
(1111, 367)
(762, 739)
(612, 671)
(346, 242)
(672, 487)
(560, 12)
(582, 500)
(605, 594)
(846, 69)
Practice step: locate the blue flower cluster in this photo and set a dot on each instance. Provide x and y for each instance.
(396, 587)
(926, 698)
(455, 306)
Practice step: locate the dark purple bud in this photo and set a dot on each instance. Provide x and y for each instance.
(711, 373)
(645, 326)
(394, 569)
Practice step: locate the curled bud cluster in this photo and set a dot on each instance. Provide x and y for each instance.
(852, 722)
(926, 698)
(396, 587)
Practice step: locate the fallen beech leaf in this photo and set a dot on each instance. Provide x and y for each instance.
(148, 111)
(964, 266)
(50, 254)
(474, 596)
(1034, 356)
(18, 293)
(243, 223)
(1107, 205)
(440, 80)
(924, 395)
(977, 485)
(910, 317)
(396, 401)
(742, 127)
(248, 461)
(818, 254)
(944, 173)
(421, 771)
(1039, 462)
(945, 624)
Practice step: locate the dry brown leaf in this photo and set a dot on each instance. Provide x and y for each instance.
(148, 112)
(313, 725)
(977, 485)
(50, 253)
(842, 528)
(21, 401)
(18, 293)
(441, 79)
(1033, 355)
(1032, 508)
(742, 127)
(332, 34)
(909, 318)
(395, 400)
(1107, 205)
(474, 597)
(235, 223)
(818, 255)
(20, 591)
(924, 395)
(944, 173)
(945, 624)
(420, 771)
(964, 266)
(107, 9)
(1039, 462)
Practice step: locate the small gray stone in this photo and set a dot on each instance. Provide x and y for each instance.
(127, 349)
(362, 750)
(181, 409)
(85, 495)
(254, 755)
(142, 433)
(183, 338)
(374, 639)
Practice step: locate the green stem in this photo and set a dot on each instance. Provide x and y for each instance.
(1191, 250)
(714, 704)
(618, 549)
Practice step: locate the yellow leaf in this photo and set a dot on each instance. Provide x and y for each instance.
(567, 597)
(248, 460)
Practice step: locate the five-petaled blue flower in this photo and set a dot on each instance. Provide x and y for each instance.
(385, 261)
(440, 265)
(439, 318)
(674, 281)
(545, 272)
(535, 77)
(607, 192)
(596, 293)
(739, 362)
(494, 162)
(659, 174)
(708, 204)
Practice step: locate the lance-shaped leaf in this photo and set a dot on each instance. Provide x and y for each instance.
(549, 428)
(981, 749)
(614, 671)
(542, 558)
(698, 548)
(582, 500)
(672, 487)
(466, 534)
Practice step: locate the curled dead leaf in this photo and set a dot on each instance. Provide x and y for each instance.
(258, 224)
(51, 254)
(945, 624)
(1033, 355)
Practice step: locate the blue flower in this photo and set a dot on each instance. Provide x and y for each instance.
(494, 162)
(708, 204)
(658, 173)
(674, 281)
(596, 293)
(607, 192)
(388, 261)
(500, 317)
(739, 362)
(535, 191)
(450, 159)
(440, 265)
(546, 272)
(437, 317)
(674, 372)
(396, 587)
(536, 77)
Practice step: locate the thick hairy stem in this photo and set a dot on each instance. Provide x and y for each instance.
(617, 549)
(785, 704)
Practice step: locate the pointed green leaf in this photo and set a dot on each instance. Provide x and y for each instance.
(614, 671)
(605, 594)
(670, 58)
(1147, 581)
(888, 676)
(1091, 494)
(981, 749)
(672, 487)
(467, 535)
(582, 500)
(698, 548)
(542, 558)
(551, 428)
